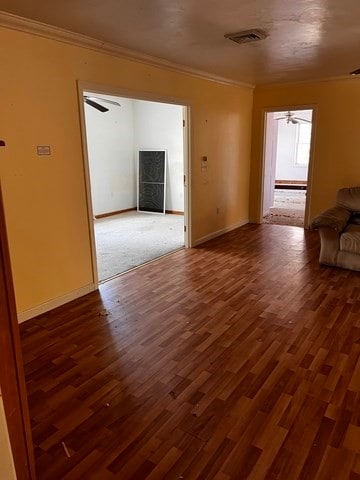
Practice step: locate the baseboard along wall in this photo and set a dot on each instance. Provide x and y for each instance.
(117, 212)
(174, 212)
(204, 239)
(55, 302)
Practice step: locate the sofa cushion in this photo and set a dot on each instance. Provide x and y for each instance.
(349, 198)
(350, 239)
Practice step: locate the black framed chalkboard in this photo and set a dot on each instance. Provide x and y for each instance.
(152, 181)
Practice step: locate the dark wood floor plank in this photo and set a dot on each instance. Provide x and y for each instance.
(236, 359)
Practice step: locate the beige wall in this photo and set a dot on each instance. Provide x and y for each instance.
(7, 470)
(336, 155)
(44, 197)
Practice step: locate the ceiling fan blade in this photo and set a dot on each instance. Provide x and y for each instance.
(95, 105)
(303, 120)
(280, 118)
(111, 102)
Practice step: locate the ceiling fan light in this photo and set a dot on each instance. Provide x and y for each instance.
(291, 119)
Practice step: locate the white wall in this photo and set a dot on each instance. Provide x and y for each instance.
(114, 139)
(110, 141)
(7, 469)
(286, 149)
(158, 126)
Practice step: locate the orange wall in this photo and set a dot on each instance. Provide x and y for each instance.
(44, 196)
(336, 155)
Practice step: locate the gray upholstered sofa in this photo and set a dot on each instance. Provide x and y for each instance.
(339, 229)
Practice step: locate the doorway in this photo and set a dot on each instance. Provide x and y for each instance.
(118, 132)
(287, 156)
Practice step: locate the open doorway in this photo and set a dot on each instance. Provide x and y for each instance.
(133, 224)
(287, 149)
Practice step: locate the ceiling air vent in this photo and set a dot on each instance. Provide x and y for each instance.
(246, 36)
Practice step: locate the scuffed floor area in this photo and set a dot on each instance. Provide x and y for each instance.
(288, 208)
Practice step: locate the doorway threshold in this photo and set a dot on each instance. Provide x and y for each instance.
(120, 274)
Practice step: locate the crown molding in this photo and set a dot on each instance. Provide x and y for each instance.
(338, 78)
(14, 22)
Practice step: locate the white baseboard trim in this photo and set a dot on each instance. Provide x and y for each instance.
(219, 232)
(55, 302)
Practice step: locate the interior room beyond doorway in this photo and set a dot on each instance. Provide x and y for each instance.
(286, 163)
(117, 129)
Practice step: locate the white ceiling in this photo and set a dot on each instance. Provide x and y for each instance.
(307, 39)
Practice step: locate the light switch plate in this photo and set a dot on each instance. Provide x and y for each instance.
(43, 150)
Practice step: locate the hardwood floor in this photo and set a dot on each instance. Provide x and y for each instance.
(239, 359)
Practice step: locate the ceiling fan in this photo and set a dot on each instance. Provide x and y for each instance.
(92, 101)
(290, 117)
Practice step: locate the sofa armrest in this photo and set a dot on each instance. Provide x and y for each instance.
(335, 218)
(330, 245)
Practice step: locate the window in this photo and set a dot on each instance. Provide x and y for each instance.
(302, 153)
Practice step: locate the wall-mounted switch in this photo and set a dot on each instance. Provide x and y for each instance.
(43, 150)
(204, 163)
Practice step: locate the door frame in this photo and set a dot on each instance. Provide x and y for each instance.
(99, 89)
(282, 108)
(270, 153)
(12, 377)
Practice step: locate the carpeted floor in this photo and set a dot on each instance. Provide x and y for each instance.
(288, 209)
(130, 239)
